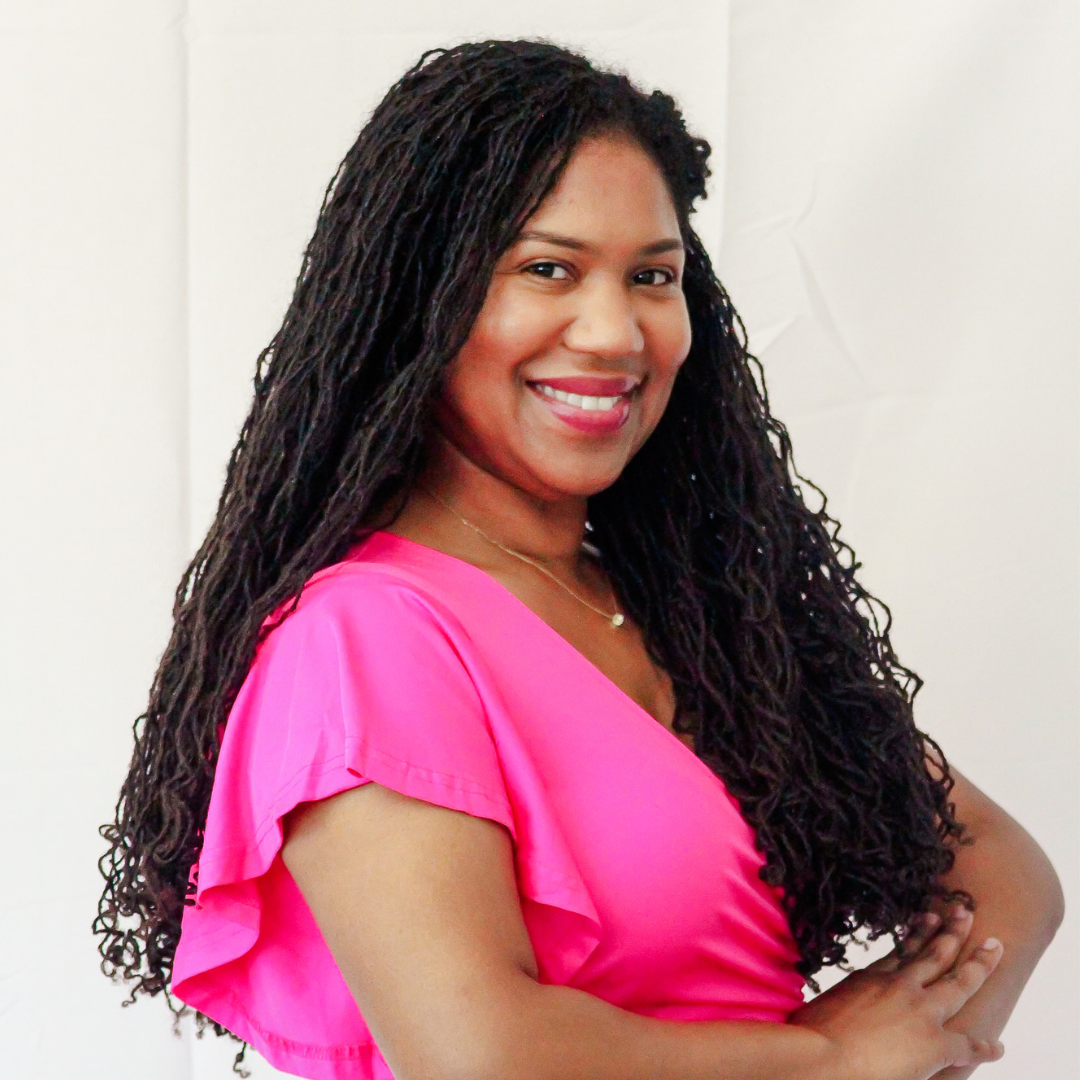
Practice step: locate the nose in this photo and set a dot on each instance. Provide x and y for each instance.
(605, 323)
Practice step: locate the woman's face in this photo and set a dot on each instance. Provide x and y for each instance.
(570, 364)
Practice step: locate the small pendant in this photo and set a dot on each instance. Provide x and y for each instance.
(618, 619)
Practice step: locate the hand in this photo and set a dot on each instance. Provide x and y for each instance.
(886, 1021)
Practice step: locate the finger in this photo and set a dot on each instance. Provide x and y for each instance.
(951, 994)
(923, 928)
(887, 964)
(983, 1051)
(964, 1051)
(941, 951)
(920, 930)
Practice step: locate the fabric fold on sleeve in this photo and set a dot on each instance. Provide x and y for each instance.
(367, 681)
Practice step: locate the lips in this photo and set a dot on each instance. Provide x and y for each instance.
(595, 405)
(592, 385)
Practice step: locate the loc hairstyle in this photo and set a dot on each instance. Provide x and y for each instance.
(781, 661)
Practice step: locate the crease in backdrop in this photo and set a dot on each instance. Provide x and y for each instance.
(892, 209)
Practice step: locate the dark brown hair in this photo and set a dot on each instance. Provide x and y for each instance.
(781, 661)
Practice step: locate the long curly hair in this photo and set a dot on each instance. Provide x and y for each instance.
(781, 661)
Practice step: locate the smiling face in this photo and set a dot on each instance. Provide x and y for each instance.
(570, 364)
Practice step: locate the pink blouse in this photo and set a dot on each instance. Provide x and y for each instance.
(401, 665)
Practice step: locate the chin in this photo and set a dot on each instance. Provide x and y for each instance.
(584, 483)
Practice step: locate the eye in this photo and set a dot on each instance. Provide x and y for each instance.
(654, 276)
(553, 271)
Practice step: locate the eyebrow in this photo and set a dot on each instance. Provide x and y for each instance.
(658, 247)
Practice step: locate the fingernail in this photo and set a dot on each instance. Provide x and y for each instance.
(990, 944)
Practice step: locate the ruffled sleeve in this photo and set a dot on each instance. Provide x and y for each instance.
(365, 681)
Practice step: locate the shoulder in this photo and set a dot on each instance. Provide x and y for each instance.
(371, 602)
(368, 676)
(370, 638)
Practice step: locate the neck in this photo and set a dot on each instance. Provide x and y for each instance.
(547, 529)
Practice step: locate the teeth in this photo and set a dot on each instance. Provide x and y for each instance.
(589, 404)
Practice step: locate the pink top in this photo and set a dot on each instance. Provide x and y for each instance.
(401, 665)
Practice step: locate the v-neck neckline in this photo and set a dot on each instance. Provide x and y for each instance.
(605, 680)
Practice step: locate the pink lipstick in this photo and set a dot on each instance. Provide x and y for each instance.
(595, 405)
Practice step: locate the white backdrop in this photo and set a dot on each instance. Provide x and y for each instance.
(893, 211)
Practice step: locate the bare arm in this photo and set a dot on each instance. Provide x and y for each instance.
(1018, 899)
(419, 907)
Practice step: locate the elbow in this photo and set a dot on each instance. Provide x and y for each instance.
(1055, 907)
(1044, 898)
(481, 1044)
(478, 1063)
(487, 1056)
(489, 1031)
(1051, 895)
(506, 1035)
(464, 1059)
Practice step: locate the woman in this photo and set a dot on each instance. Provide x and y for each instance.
(518, 710)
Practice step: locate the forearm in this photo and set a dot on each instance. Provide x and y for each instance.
(558, 1033)
(1019, 901)
(420, 909)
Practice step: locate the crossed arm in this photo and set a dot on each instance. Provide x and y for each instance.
(1018, 900)
(419, 907)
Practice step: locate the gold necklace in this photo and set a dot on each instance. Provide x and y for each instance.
(616, 618)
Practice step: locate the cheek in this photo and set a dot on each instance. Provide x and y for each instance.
(484, 367)
(471, 381)
(479, 389)
(671, 344)
(511, 324)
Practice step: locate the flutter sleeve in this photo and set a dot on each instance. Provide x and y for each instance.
(363, 682)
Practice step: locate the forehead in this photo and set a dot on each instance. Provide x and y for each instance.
(610, 187)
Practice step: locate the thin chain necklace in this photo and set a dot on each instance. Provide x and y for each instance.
(616, 618)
